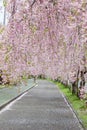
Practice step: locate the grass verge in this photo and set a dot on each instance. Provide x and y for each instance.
(78, 105)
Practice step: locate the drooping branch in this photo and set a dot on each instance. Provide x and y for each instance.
(33, 2)
(13, 8)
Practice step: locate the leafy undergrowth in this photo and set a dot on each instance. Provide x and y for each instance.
(6, 86)
(78, 105)
(2, 86)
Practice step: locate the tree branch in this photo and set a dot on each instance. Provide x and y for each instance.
(33, 3)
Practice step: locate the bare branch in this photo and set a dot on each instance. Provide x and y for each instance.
(33, 3)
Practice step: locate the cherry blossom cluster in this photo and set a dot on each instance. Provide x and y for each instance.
(45, 37)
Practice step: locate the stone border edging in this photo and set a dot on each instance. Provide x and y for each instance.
(79, 120)
(8, 102)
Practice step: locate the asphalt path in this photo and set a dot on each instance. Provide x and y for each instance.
(42, 108)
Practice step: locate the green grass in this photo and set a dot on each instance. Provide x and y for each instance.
(77, 104)
(6, 86)
(2, 86)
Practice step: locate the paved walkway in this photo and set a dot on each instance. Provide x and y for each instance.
(9, 93)
(42, 108)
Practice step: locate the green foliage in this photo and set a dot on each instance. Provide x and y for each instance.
(2, 86)
(4, 3)
(6, 58)
(24, 77)
(1, 30)
(33, 28)
(9, 48)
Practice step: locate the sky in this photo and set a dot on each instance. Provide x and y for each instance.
(1, 11)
